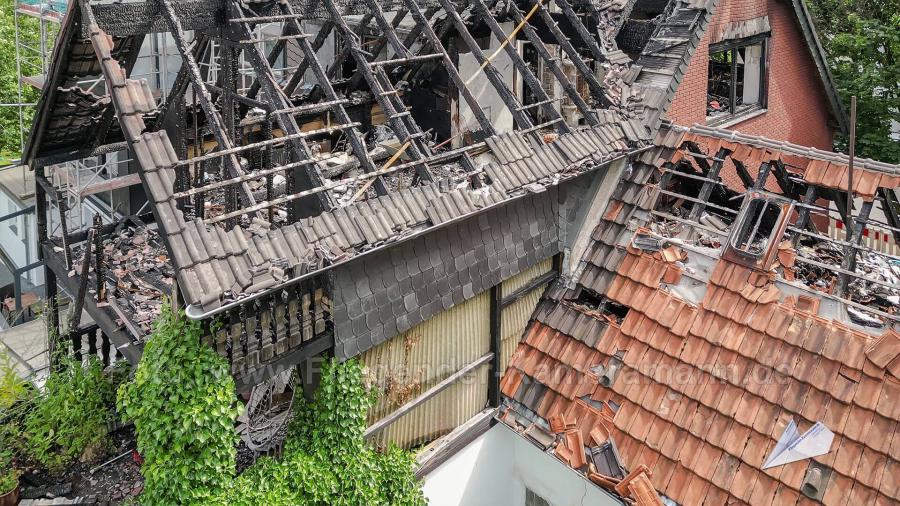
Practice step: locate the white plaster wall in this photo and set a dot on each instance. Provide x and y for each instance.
(495, 469)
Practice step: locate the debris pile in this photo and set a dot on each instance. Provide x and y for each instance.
(881, 293)
(140, 272)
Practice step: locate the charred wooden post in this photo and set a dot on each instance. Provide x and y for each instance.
(435, 42)
(205, 100)
(98, 260)
(597, 89)
(511, 102)
(854, 238)
(381, 86)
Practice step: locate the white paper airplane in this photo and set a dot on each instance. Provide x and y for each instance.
(793, 447)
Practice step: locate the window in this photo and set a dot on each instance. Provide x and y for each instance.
(756, 226)
(737, 79)
(532, 499)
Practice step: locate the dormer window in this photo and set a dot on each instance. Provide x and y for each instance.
(759, 227)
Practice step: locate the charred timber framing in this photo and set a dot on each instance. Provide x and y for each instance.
(379, 82)
(509, 99)
(553, 63)
(566, 45)
(527, 75)
(201, 92)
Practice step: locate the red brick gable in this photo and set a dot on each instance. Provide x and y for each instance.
(798, 106)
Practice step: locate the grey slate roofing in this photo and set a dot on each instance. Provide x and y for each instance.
(215, 266)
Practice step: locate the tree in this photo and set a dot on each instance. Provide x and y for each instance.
(862, 41)
(30, 34)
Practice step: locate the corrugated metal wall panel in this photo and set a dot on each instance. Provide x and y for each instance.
(523, 278)
(515, 317)
(416, 360)
(513, 321)
(440, 414)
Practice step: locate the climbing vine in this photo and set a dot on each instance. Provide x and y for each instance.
(183, 406)
(326, 459)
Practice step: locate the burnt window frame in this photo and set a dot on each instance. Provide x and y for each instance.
(733, 46)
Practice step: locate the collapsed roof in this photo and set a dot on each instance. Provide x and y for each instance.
(694, 334)
(268, 200)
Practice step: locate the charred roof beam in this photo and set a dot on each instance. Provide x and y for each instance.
(553, 62)
(434, 42)
(378, 84)
(203, 97)
(354, 135)
(566, 45)
(303, 66)
(855, 237)
(335, 68)
(589, 40)
(527, 75)
(493, 76)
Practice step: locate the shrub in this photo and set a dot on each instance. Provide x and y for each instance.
(70, 416)
(12, 387)
(183, 406)
(9, 475)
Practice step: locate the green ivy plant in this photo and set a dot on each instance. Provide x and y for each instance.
(70, 416)
(183, 406)
(9, 475)
(182, 402)
(326, 460)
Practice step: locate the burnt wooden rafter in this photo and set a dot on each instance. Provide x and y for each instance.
(588, 39)
(553, 63)
(572, 53)
(708, 186)
(546, 103)
(354, 136)
(204, 99)
(490, 72)
(401, 121)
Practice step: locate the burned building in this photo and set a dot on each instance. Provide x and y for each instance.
(711, 332)
(356, 173)
(421, 184)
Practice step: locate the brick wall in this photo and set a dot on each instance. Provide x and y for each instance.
(798, 109)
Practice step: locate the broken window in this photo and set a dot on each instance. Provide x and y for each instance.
(737, 79)
(756, 226)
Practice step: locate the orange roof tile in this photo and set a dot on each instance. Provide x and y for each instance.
(705, 390)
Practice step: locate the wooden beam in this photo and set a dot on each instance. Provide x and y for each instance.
(496, 336)
(110, 185)
(532, 285)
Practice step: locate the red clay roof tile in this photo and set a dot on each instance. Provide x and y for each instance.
(825, 374)
(836, 416)
(884, 350)
(838, 490)
(889, 402)
(744, 481)
(890, 480)
(780, 323)
(871, 468)
(859, 420)
(846, 460)
(868, 392)
(816, 403)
